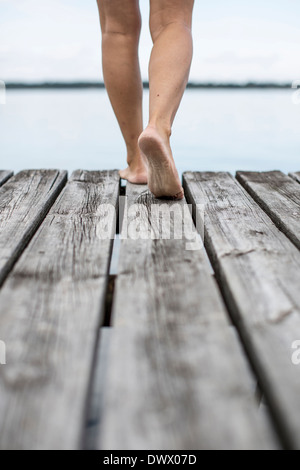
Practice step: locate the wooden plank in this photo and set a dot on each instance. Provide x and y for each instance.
(295, 176)
(24, 201)
(177, 377)
(279, 196)
(4, 176)
(51, 308)
(258, 270)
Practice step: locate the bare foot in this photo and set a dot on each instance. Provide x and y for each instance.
(135, 176)
(163, 178)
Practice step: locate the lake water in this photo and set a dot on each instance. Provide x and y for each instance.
(214, 130)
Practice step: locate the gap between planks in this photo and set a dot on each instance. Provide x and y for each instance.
(295, 176)
(4, 176)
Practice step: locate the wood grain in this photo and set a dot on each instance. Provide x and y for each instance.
(24, 201)
(4, 176)
(258, 270)
(177, 377)
(51, 308)
(279, 196)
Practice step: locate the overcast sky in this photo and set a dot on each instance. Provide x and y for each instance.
(234, 40)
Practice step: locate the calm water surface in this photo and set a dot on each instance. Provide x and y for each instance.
(214, 130)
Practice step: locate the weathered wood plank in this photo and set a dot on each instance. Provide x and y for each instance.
(279, 196)
(51, 307)
(177, 377)
(295, 176)
(258, 270)
(24, 201)
(4, 176)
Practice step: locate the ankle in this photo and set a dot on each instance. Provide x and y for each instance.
(162, 128)
(135, 162)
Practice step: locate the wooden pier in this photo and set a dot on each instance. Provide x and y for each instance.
(182, 348)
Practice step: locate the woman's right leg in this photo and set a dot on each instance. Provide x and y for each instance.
(170, 25)
(120, 24)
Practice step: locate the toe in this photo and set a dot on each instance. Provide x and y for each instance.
(179, 196)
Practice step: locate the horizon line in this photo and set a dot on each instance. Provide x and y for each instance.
(12, 85)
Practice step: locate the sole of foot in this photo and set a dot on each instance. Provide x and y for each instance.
(163, 178)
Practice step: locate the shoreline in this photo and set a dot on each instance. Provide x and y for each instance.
(101, 85)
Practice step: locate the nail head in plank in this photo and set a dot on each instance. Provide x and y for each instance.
(51, 309)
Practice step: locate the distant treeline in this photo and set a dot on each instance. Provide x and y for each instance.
(85, 85)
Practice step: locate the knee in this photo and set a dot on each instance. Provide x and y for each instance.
(158, 26)
(128, 27)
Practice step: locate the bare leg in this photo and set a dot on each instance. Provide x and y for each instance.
(120, 24)
(170, 25)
